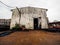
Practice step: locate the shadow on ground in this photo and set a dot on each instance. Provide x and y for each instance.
(5, 33)
(12, 31)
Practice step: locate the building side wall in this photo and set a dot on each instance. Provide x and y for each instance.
(44, 22)
(15, 18)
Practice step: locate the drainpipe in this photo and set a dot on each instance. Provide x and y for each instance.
(19, 14)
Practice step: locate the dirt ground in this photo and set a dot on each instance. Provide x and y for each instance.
(31, 38)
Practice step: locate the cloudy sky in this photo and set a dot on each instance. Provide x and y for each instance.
(53, 7)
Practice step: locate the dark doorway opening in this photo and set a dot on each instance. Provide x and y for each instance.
(35, 23)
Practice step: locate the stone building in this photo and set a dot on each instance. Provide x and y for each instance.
(31, 17)
(5, 22)
(54, 24)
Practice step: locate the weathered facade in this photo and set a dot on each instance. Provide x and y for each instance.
(31, 17)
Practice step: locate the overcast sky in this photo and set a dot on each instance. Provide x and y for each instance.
(53, 7)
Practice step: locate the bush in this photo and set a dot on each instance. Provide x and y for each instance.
(16, 27)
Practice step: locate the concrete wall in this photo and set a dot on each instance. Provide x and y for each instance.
(27, 16)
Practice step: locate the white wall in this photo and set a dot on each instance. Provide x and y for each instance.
(27, 16)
